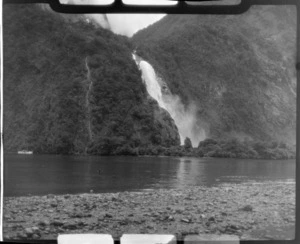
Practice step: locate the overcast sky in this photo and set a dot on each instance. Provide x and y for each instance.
(124, 24)
(128, 24)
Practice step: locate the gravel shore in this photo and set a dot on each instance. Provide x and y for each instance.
(248, 210)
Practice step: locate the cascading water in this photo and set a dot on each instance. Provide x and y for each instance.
(152, 86)
(185, 118)
(87, 99)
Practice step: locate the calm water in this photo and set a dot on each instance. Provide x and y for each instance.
(45, 174)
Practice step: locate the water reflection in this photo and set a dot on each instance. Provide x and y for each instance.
(44, 174)
(212, 171)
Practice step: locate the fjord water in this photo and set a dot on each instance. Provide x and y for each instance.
(55, 174)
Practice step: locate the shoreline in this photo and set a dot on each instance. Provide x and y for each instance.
(210, 148)
(151, 156)
(262, 211)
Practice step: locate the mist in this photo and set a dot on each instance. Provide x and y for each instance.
(185, 119)
(122, 24)
(128, 24)
(184, 116)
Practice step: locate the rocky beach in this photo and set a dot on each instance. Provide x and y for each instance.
(261, 210)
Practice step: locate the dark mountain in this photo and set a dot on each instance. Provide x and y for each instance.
(238, 70)
(72, 88)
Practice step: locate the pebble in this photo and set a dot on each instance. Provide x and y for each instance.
(107, 215)
(70, 226)
(171, 218)
(35, 228)
(212, 219)
(35, 236)
(54, 205)
(124, 222)
(221, 229)
(269, 237)
(22, 236)
(57, 223)
(234, 227)
(179, 211)
(247, 208)
(160, 209)
(185, 220)
(50, 196)
(29, 232)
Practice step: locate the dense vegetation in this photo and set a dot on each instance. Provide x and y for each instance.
(238, 70)
(230, 148)
(72, 88)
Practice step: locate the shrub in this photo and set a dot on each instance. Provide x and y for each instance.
(206, 142)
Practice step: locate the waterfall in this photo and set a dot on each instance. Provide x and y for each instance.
(87, 99)
(184, 117)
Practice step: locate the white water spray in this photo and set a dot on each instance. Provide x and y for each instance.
(185, 118)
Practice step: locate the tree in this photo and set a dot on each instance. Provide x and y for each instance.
(188, 144)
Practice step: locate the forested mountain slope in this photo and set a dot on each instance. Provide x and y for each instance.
(238, 70)
(72, 88)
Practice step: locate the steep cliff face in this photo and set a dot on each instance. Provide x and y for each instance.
(72, 88)
(239, 71)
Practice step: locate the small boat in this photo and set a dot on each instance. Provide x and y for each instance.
(25, 152)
